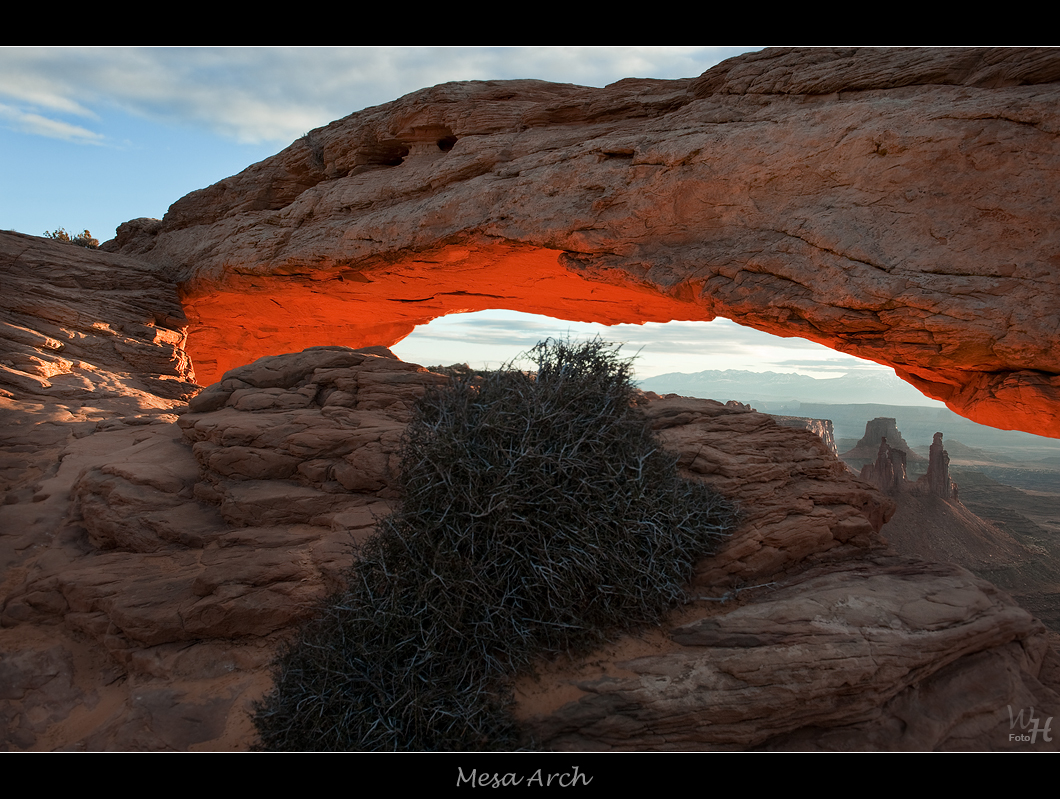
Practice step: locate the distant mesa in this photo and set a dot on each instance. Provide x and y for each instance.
(888, 470)
(882, 427)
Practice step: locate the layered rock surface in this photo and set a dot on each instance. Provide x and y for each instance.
(822, 428)
(154, 553)
(176, 556)
(894, 204)
(76, 324)
(84, 336)
(797, 499)
(146, 618)
(877, 654)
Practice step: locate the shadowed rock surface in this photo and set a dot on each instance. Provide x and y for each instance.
(79, 324)
(833, 655)
(820, 427)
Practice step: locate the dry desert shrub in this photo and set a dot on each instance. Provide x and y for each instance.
(83, 239)
(539, 515)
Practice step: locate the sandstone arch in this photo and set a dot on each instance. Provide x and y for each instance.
(898, 205)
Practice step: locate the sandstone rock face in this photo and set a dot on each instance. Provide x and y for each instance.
(822, 428)
(937, 480)
(162, 563)
(144, 615)
(85, 337)
(289, 439)
(797, 500)
(827, 661)
(77, 324)
(894, 204)
(888, 471)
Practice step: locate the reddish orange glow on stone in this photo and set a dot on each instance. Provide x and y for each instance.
(253, 316)
(244, 316)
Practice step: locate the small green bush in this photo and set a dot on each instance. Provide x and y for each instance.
(539, 516)
(81, 239)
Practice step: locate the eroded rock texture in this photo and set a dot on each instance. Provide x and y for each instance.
(895, 204)
(161, 563)
(144, 615)
(797, 499)
(873, 655)
(76, 324)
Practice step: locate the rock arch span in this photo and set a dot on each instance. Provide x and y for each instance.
(249, 317)
(898, 205)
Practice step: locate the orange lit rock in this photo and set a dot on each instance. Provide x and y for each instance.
(897, 204)
(248, 316)
(77, 324)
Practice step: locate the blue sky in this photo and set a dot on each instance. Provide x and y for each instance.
(93, 136)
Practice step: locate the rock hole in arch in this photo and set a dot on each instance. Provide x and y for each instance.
(488, 339)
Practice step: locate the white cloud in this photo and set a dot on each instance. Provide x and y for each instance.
(35, 124)
(489, 338)
(258, 94)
